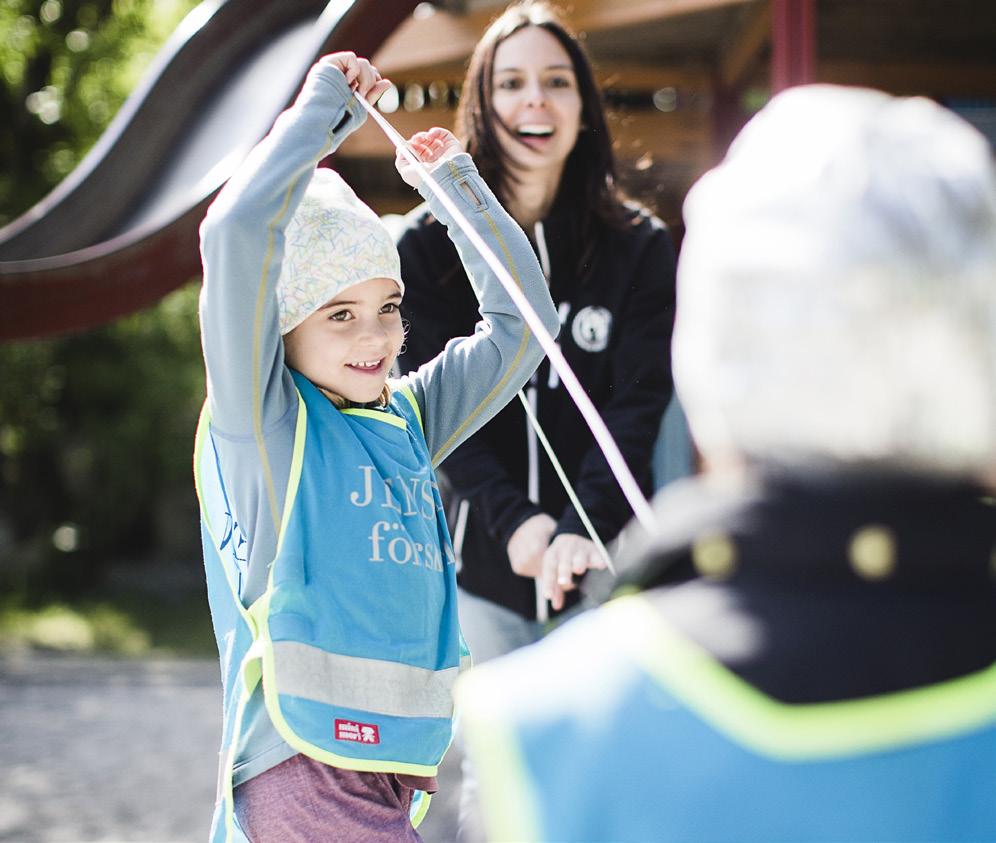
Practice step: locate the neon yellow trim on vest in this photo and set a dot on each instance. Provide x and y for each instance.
(250, 670)
(203, 420)
(423, 809)
(258, 663)
(260, 613)
(227, 773)
(410, 397)
(271, 697)
(294, 476)
(376, 415)
(796, 732)
(248, 684)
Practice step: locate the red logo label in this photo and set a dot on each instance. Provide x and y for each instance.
(350, 730)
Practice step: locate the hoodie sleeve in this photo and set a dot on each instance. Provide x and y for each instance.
(441, 307)
(251, 394)
(242, 245)
(474, 377)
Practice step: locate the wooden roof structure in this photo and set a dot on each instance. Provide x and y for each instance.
(682, 76)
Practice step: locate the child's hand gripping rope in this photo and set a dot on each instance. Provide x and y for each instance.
(431, 148)
(363, 77)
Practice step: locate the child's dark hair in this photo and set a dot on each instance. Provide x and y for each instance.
(588, 182)
(341, 403)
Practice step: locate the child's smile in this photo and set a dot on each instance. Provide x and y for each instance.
(367, 366)
(349, 344)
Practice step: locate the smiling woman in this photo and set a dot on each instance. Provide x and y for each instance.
(537, 109)
(531, 115)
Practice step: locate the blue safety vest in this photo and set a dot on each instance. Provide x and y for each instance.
(629, 732)
(356, 639)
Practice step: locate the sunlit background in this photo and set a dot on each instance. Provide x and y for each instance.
(99, 545)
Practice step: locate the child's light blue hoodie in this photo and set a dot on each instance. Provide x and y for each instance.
(252, 398)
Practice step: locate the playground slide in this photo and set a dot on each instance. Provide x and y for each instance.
(121, 230)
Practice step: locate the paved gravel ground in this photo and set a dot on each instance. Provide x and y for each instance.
(109, 750)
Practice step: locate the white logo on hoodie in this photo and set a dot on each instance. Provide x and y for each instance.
(591, 328)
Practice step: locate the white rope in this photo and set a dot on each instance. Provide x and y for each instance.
(566, 483)
(610, 449)
(539, 434)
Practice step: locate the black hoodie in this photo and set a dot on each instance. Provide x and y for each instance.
(615, 293)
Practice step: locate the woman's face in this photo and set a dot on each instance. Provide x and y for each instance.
(535, 96)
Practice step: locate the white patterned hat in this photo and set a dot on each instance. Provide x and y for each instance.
(837, 287)
(332, 242)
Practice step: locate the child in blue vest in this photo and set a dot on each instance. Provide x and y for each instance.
(329, 565)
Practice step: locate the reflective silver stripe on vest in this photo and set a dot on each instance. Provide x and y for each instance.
(380, 687)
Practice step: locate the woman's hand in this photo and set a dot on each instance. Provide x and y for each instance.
(528, 544)
(567, 555)
(431, 148)
(362, 76)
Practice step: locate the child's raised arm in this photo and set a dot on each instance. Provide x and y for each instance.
(473, 378)
(242, 244)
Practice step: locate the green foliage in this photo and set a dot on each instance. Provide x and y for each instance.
(96, 429)
(59, 627)
(65, 68)
(96, 432)
(130, 625)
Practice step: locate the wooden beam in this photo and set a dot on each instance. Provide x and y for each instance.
(681, 135)
(450, 71)
(597, 15)
(744, 53)
(429, 40)
(691, 76)
(649, 77)
(793, 43)
(442, 37)
(975, 79)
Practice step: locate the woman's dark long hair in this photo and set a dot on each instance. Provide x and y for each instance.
(588, 182)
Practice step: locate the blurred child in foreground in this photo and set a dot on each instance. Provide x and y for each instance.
(810, 654)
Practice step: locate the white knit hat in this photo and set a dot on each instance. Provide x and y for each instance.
(837, 287)
(332, 242)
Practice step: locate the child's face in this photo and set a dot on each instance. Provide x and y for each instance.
(349, 344)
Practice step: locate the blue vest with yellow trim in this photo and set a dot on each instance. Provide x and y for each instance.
(664, 744)
(356, 639)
